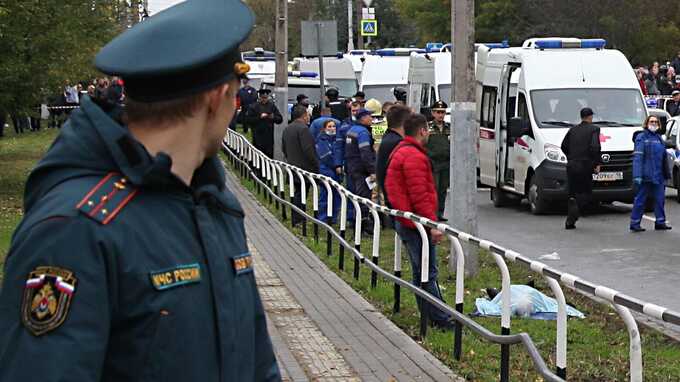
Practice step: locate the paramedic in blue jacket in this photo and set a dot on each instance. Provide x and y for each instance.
(360, 156)
(324, 151)
(649, 174)
(339, 150)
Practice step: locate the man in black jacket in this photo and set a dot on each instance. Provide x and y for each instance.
(262, 116)
(673, 107)
(581, 145)
(395, 133)
(300, 150)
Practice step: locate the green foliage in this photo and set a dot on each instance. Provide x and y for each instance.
(18, 155)
(598, 346)
(46, 42)
(642, 32)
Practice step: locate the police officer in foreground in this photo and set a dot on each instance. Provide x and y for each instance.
(438, 149)
(262, 115)
(581, 145)
(131, 261)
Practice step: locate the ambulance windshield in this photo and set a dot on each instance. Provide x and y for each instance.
(555, 108)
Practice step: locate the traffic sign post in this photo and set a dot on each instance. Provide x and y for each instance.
(369, 28)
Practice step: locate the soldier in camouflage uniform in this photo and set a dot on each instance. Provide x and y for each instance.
(438, 148)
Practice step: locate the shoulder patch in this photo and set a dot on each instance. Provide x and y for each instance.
(105, 200)
(47, 298)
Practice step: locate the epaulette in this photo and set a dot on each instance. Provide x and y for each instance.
(106, 199)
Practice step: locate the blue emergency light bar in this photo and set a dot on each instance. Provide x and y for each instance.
(433, 47)
(595, 43)
(299, 74)
(652, 102)
(391, 52)
(358, 52)
(497, 45)
(258, 58)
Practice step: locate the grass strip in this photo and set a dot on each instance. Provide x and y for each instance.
(597, 345)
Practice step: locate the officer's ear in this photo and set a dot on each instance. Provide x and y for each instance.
(215, 97)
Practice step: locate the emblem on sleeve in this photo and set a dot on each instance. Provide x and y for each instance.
(176, 276)
(47, 298)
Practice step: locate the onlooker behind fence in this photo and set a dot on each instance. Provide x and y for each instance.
(395, 133)
(338, 106)
(666, 81)
(324, 152)
(299, 149)
(410, 187)
(652, 81)
(673, 105)
(71, 94)
(360, 157)
(641, 80)
(262, 115)
(676, 63)
(317, 124)
(650, 173)
(439, 149)
(247, 96)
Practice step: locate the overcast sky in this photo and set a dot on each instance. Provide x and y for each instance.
(156, 6)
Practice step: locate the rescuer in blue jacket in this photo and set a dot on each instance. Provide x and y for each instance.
(324, 150)
(339, 150)
(360, 157)
(650, 172)
(131, 261)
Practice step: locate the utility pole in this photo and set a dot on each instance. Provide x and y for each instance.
(360, 38)
(463, 178)
(350, 33)
(281, 80)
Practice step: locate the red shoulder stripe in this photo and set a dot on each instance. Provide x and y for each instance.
(93, 190)
(120, 207)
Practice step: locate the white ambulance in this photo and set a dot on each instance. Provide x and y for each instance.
(385, 70)
(529, 97)
(338, 72)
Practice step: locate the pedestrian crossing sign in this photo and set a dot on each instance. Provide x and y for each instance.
(369, 28)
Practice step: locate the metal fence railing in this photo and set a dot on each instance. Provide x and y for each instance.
(270, 175)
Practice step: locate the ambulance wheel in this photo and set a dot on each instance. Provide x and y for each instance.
(499, 197)
(537, 202)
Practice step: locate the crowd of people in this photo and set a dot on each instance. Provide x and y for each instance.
(660, 80)
(107, 92)
(382, 152)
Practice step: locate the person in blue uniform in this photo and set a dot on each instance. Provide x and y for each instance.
(131, 261)
(324, 151)
(649, 175)
(339, 150)
(360, 159)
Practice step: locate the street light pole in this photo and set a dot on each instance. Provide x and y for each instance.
(463, 179)
(281, 80)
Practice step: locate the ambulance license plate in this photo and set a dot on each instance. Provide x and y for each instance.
(608, 176)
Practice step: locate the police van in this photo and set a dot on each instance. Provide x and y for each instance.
(307, 83)
(357, 57)
(527, 99)
(338, 72)
(262, 64)
(385, 70)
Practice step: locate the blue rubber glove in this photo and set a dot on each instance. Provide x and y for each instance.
(637, 181)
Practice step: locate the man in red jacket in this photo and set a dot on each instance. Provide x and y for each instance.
(410, 187)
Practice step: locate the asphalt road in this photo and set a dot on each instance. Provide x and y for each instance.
(601, 249)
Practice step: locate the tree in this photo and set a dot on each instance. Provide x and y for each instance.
(47, 42)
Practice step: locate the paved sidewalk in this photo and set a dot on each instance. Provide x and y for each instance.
(321, 328)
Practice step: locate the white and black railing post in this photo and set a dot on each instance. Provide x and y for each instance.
(460, 295)
(357, 234)
(505, 308)
(282, 191)
(424, 273)
(303, 200)
(561, 346)
(397, 273)
(329, 215)
(376, 244)
(315, 204)
(343, 228)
